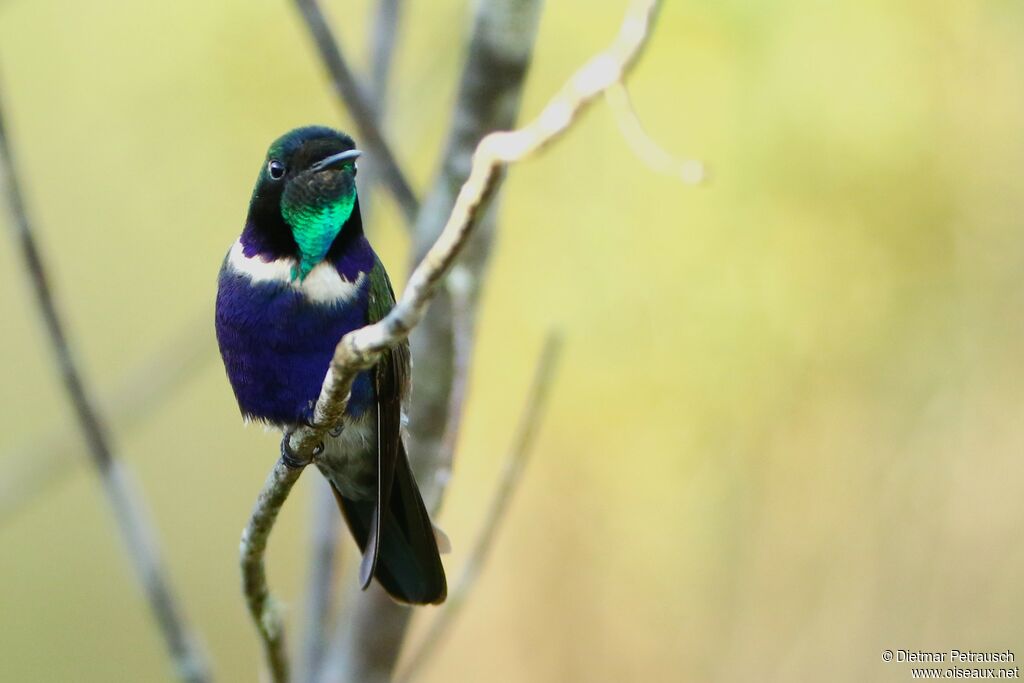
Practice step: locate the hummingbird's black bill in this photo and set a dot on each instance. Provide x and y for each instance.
(338, 158)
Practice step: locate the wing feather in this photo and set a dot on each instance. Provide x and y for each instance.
(391, 380)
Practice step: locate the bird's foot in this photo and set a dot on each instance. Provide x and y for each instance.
(291, 459)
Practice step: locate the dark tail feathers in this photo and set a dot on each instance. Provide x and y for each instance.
(408, 565)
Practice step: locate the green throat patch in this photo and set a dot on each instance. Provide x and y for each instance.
(315, 228)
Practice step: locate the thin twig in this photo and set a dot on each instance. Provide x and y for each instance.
(47, 459)
(515, 462)
(359, 105)
(137, 532)
(264, 609)
(361, 349)
(690, 171)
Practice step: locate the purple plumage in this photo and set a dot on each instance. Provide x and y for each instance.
(300, 277)
(277, 343)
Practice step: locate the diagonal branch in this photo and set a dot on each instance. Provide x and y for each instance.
(361, 349)
(137, 532)
(515, 463)
(47, 459)
(488, 99)
(359, 105)
(382, 50)
(495, 67)
(326, 522)
(383, 37)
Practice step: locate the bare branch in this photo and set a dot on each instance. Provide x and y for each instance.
(320, 581)
(359, 105)
(382, 51)
(490, 92)
(137, 533)
(384, 32)
(366, 657)
(690, 171)
(516, 461)
(484, 98)
(361, 349)
(461, 295)
(264, 609)
(326, 522)
(47, 459)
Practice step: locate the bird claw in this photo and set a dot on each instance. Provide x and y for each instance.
(335, 432)
(291, 459)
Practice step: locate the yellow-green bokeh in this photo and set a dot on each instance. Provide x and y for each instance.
(786, 434)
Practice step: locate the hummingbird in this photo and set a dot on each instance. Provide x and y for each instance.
(300, 276)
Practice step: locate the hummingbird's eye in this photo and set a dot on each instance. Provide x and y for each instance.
(276, 169)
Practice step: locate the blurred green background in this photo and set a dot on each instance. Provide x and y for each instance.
(787, 431)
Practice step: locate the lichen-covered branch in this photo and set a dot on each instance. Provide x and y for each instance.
(137, 532)
(359, 105)
(264, 610)
(534, 408)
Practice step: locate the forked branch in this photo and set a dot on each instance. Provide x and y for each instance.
(361, 349)
(690, 171)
